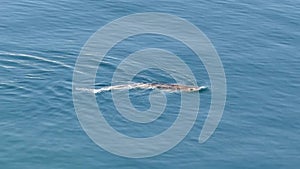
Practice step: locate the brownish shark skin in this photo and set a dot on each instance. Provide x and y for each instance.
(161, 86)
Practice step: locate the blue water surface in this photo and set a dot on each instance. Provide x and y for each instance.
(258, 43)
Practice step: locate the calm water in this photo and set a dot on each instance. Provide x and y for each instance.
(258, 43)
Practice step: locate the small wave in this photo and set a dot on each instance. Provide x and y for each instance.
(37, 58)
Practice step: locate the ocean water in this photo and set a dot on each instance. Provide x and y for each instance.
(257, 41)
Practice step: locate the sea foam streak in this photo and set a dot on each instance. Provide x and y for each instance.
(164, 87)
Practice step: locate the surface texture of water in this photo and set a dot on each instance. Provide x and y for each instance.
(258, 43)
